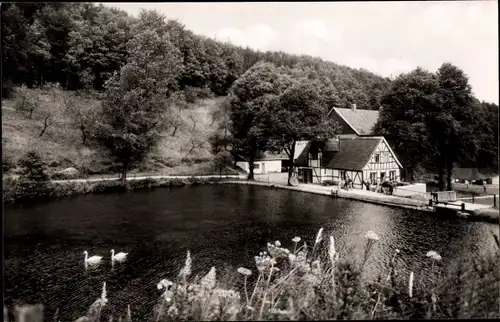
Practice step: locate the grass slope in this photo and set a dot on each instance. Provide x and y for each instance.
(186, 151)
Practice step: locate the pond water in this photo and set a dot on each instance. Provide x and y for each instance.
(222, 226)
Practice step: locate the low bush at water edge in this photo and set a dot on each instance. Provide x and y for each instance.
(14, 190)
(315, 283)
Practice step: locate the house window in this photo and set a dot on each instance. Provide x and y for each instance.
(392, 175)
(377, 158)
(373, 176)
(256, 166)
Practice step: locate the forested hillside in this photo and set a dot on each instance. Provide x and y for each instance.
(80, 45)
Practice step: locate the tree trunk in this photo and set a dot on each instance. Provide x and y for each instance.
(449, 169)
(251, 162)
(84, 136)
(441, 179)
(124, 172)
(290, 168)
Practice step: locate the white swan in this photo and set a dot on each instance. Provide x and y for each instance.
(93, 259)
(118, 257)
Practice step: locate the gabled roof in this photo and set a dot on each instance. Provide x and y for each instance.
(354, 153)
(361, 121)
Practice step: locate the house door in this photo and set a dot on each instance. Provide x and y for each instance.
(263, 167)
(308, 175)
(382, 176)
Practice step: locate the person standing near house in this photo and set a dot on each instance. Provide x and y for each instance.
(484, 186)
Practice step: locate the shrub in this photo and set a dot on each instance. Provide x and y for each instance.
(193, 94)
(32, 167)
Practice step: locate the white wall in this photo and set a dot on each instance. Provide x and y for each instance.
(261, 167)
(366, 173)
(410, 190)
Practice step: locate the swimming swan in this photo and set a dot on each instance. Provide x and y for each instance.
(119, 256)
(93, 259)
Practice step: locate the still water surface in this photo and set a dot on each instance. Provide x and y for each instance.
(222, 225)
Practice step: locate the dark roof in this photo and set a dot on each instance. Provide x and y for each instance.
(362, 121)
(470, 174)
(354, 153)
(331, 145)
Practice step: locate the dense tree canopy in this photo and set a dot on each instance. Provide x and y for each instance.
(81, 44)
(434, 120)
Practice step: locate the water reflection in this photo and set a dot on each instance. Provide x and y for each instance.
(220, 224)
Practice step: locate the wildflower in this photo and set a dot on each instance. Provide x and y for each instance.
(277, 252)
(410, 285)
(371, 235)
(371, 240)
(226, 293)
(296, 239)
(316, 267)
(244, 271)
(103, 294)
(264, 262)
(318, 236)
(186, 270)
(164, 283)
(208, 281)
(331, 249)
(434, 255)
(397, 251)
(277, 243)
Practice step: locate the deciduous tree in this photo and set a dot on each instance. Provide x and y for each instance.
(299, 114)
(249, 111)
(136, 99)
(403, 119)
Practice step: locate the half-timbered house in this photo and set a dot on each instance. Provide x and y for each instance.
(362, 159)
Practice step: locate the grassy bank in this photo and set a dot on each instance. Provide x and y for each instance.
(18, 191)
(313, 282)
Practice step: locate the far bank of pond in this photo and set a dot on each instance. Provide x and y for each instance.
(222, 225)
(64, 188)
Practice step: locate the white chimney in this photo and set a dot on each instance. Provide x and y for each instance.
(353, 107)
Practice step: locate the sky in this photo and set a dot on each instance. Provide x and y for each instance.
(387, 38)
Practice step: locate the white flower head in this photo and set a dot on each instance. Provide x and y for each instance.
(104, 294)
(244, 271)
(318, 236)
(186, 270)
(434, 255)
(371, 235)
(410, 285)
(277, 243)
(397, 251)
(164, 283)
(331, 249)
(296, 239)
(209, 280)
